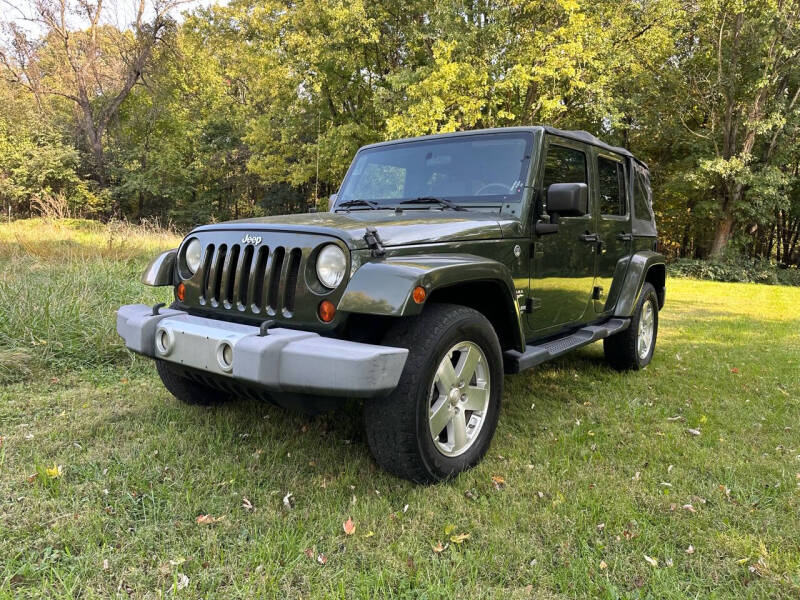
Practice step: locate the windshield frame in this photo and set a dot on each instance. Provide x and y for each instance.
(502, 201)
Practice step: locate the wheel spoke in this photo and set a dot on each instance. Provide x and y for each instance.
(445, 376)
(439, 416)
(467, 364)
(459, 430)
(476, 398)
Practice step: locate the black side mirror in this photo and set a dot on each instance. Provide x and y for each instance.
(568, 199)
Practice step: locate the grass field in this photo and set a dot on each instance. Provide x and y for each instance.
(594, 486)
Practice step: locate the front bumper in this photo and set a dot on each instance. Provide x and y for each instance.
(284, 360)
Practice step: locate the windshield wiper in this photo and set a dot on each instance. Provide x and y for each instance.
(434, 200)
(368, 203)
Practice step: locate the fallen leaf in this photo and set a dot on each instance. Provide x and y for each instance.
(309, 552)
(690, 549)
(54, 471)
(669, 562)
(693, 431)
(499, 482)
(105, 564)
(448, 529)
(459, 538)
(405, 508)
(246, 504)
(651, 561)
(349, 527)
(183, 581)
(438, 548)
(288, 501)
(734, 370)
(369, 534)
(208, 520)
(689, 507)
(603, 565)
(601, 526)
(636, 476)
(322, 559)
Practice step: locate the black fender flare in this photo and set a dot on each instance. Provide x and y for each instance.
(635, 276)
(385, 287)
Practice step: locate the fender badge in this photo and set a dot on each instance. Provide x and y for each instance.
(517, 251)
(251, 239)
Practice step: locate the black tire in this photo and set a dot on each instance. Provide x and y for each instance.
(397, 427)
(621, 350)
(186, 390)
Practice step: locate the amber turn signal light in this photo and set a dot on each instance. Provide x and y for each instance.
(326, 311)
(180, 291)
(419, 294)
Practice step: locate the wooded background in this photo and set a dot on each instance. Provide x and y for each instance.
(186, 114)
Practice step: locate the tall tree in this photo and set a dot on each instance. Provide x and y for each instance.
(88, 62)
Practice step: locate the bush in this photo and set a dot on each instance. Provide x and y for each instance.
(738, 269)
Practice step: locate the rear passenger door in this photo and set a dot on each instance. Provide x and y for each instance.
(611, 196)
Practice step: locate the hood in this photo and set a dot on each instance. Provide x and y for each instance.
(408, 227)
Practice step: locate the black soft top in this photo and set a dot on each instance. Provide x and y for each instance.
(570, 134)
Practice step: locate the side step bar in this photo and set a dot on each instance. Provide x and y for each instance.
(535, 355)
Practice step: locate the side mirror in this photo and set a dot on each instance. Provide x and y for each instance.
(568, 199)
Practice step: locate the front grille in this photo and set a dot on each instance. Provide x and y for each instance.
(246, 278)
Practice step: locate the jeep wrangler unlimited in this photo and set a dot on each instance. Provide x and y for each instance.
(443, 262)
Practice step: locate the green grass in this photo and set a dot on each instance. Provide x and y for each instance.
(597, 465)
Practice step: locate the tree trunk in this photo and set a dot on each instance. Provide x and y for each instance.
(722, 236)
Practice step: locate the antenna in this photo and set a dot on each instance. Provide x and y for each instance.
(316, 179)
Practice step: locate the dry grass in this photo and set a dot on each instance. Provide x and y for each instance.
(67, 240)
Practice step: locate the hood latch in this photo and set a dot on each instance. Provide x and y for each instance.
(374, 243)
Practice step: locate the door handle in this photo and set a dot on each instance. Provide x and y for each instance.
(624, 237)
(589, 238)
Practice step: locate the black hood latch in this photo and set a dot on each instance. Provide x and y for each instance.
(374, 243)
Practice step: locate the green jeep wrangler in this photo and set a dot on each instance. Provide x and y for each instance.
(444, 261)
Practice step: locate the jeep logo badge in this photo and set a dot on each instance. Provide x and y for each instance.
(251, 239)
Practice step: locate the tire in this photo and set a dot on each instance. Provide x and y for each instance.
(186, 390)
(622, 350)
(399, 426)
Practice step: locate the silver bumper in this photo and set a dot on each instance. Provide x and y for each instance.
(284, 360)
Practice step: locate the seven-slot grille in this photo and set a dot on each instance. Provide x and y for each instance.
(256, 279)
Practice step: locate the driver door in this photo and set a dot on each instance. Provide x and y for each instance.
(563, 266)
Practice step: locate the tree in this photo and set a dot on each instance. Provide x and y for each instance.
(94, 66)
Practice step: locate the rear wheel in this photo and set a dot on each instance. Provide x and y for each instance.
(440, 419)
(633, 348)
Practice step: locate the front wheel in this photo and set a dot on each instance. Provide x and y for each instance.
(440, 419)
(633, 348)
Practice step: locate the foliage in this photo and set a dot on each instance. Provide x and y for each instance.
(740, 269)
(257, 106)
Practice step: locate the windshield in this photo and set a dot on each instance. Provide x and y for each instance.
(482, 169)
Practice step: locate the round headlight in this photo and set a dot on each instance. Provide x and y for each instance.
(193, 255)
(331, 264)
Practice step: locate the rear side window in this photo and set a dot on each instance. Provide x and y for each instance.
(641, 199)
(564, 165)
(612, 190)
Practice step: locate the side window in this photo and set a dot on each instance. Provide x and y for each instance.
(612, 190)
(564, 165)
(641, 202)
